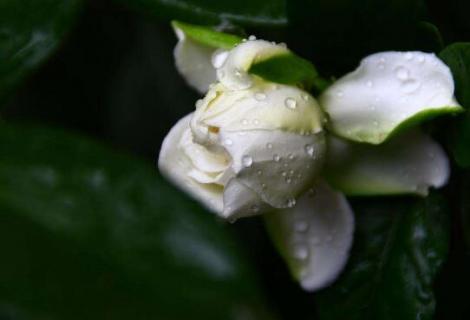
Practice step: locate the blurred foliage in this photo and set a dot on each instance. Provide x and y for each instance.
(29, 31)
(92, 227)
(90, 233)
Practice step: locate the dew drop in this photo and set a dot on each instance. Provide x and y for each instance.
(255, 122)
(291, 202)
(290, 103)
(276, 158)
(310, 149)
(340, 93)
(408, 56)
(291, 156)
(252, 37)
(255, 208)
(259, 172)
(288, 180)
(369, 84)
(247, 161)
(402, 73)
(283, 173)
(263, 185)
(421, 59)
(305, 97)
(245, 122)
(228, 142)
(260, 96)
(411, 86)
(238, 73)
(269, 145)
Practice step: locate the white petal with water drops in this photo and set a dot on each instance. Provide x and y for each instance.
(275, 164)
(314, 236)
(409, 163)
(386, 91)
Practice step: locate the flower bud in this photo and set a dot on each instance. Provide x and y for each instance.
(251, 145)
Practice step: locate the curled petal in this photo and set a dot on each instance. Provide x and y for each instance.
(175, 165)
(387, 92)
(233, 73)
(409, 163)
(194, 61)
(314, 237)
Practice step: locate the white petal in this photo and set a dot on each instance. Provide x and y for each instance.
(175, 165)
(278, 165)
(409, 163)
(315, 236)
(389, 90)
(194, 62)
(241, 201)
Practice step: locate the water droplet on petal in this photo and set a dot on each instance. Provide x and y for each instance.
(310, 149)
(247, 161)
(369, 84)
(228, 142)
(259, 172)
(291, 202)
(402, 73)
(340, 93)
(305, 97)
(411, 86)
(291, 156)
(252, 37)
(245, 122)
(269, 145)
(290, 103)
(255, 208)
(255, 122)
(276, 158)
(421, 59)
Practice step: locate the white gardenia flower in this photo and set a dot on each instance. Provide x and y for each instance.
(250, 145)
(258, 147)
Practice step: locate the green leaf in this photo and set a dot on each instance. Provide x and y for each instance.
(457, 57)
(207, 36)
(243, 13)
(30, 31)
(286, 68)
(399, 246)
(87, 233)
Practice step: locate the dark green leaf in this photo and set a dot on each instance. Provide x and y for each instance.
(86, 233)
(457, 57)
(287, 69)
(30, 31)
(208, 36)
(244, 13)
(399, 246)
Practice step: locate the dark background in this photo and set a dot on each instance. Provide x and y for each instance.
(113, 79)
